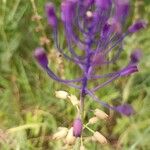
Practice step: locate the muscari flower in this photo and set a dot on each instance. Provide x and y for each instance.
(95, 28)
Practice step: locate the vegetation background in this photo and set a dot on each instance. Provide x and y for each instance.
(29, 111)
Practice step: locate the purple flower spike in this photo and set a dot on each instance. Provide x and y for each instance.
(77, 127)
(129, 70)
(51, 15)
(125, 109)
(137, 26)
(135, 56)
(41, 57)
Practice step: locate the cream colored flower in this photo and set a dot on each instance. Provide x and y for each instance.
(62, 132)
(70, 139)
(100, 114)
(93, 120)
(73, 100)
(82, 147)
(99, 137)
(61, 94)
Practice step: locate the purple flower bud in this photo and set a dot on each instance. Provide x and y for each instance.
(122, 9)
(41, 57)
(135, 56)
(125, 109)
(137, 26)
(68, 10)
(104, 4)
(77, 127)
(51, 15)
(129, 70)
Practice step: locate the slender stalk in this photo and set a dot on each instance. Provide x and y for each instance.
(89, 128)
(39, 22)
(82, 107)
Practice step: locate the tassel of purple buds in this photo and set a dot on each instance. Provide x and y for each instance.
(50, 10)
(93, 27)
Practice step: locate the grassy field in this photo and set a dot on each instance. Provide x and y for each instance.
(29, 111)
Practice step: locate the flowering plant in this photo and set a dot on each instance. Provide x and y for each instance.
(93, 30)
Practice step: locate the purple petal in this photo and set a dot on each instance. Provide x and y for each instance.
(77, 127)
(41, 57)
(125, 109)
(137, 26)
(51, 15)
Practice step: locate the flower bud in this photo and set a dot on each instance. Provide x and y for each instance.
(62, 132)
(70, 139)
(100, 138)
(61, 94)
(121, 9)
(51, 15)
(68, 11)
(125, 109)
(77, 127)
(135, 56)
(93, 120)
(41, 57)
(137, 26)
(100, 114)
(129, 70)
(73, 100)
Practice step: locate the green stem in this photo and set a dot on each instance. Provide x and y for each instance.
(89, 128)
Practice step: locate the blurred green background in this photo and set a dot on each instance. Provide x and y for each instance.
(29, 111)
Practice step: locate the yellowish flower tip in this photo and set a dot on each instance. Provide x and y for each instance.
(62, 132)
(100, 138)
(70, 139)
(89, 14)
(61, 94)
(82, 147)
(74, 100)
(93, 120)
(100, 114)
